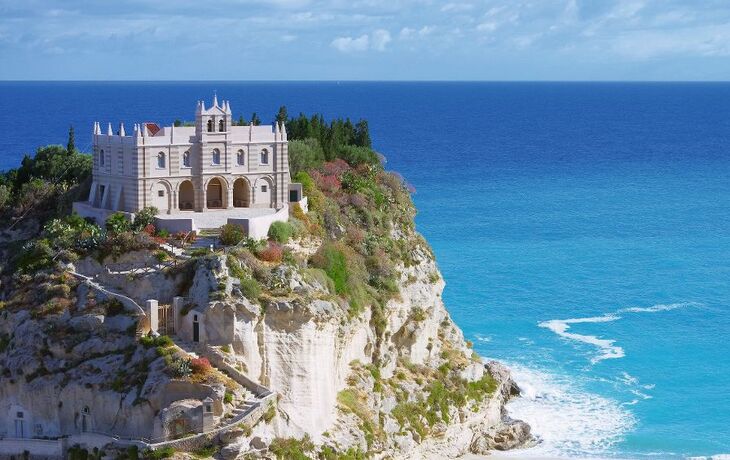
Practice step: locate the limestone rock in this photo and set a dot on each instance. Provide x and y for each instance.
(509, 435)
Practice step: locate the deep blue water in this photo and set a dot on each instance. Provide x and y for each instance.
(582, 229)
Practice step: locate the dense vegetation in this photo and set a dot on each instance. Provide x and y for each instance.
(47, 183)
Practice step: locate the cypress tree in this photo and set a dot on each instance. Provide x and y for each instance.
(282, 116)
(255, 120)
(71, 146)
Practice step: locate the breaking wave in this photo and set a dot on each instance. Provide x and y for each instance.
(568, 421)
(607, 347)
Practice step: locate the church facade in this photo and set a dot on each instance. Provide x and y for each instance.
(213, 165)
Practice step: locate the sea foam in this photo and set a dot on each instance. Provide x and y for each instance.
(568, 421)
(607, 347)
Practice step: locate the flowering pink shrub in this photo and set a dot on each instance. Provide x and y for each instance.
(272, 253)
(336, 167)
(149, 229)
(200, 365)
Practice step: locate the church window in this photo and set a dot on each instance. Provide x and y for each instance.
(186, 159)
(161, 160)
(263, 188)
(216, 157)
(210, 126)
(160, 193)
(240, 157)
(101, 157)
(221, 125)
(264, 157)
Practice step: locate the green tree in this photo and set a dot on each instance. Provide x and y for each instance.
(242, 121)
(304, 154)
(362, 134)
(255, 120)
(71, 146)
(282, 116)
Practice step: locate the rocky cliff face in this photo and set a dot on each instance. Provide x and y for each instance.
(402, 383)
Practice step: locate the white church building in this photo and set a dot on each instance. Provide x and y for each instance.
(200, 176)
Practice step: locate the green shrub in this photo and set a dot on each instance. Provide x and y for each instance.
(280, 232)
(158, 454)
(250, 288)
(228, 397)
(332, 260)
(160, 341)
(291, 448)
(118, 223)
(231, 234)
(145, 217)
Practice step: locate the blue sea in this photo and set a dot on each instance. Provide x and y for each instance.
(583, 230)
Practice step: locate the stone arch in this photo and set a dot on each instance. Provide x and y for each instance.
(216, 193)
(161, 196)
(264, 192)
(186, 195)
(210, 126)
(241, 193)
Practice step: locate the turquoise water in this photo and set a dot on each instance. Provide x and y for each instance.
(582, 230)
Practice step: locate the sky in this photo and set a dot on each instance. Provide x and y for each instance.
(365, 40)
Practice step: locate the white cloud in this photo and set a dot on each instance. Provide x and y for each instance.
(408, 33)
(349, 44)
(457, 7)
(378, 40)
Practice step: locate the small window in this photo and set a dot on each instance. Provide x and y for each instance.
(101, 157)
(19, 415)
(210, 126)
(264, 157)
(240, 157)
(195, 317)
(161, 160)
(216, 157)
(160, 193)
(263, 188)
(86, 410)
(221, 126)
(186, 159)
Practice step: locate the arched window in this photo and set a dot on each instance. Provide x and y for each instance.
(216, 157)
(186, 159)
(210, 126)
(101, 157)
(240, 157)
(161, 160)
(264, 157)
(221, 125)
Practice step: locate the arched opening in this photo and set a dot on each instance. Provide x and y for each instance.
(264, 193)
(221, 126)
(161, 160)
(20, 428)
(241, 193)
(85, 419)
(216, 157)
(241, 158)
(101, 157)
(215, 194)
(210, 126)
(264, 157)
(186, 196)
(161, 197)
(186, 159)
